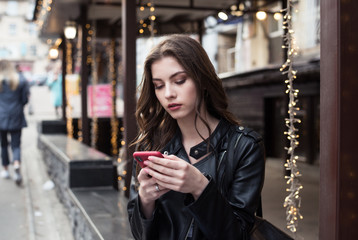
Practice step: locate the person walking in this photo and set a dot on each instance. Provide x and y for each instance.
(29, 104)
(54, 82)
(207, 184)
(14, 94)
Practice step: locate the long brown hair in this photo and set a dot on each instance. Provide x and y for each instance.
(156, 126)
(8, 73)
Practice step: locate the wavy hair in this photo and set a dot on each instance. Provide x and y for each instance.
(8, 74)
(156, 126)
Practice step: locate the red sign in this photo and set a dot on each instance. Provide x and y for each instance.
(100, 100)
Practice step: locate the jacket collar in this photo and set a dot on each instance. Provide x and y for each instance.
(199, 150)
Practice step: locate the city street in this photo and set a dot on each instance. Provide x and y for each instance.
(287, 68)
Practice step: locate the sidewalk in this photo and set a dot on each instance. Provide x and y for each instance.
(30, 211)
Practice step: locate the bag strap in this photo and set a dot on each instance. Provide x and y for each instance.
(229, 169)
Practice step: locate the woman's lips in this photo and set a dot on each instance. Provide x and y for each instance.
(174, 106)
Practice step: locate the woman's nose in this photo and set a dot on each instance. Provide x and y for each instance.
(169, 91)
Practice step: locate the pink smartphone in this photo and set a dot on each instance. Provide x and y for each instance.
(141, 156)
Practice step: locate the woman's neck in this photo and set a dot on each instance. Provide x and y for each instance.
(191, 137)
(189, 129)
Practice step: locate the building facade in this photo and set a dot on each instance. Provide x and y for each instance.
(248, 58)
(19, 40)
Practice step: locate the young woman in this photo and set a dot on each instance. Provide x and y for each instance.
(14, 93)
(182, 112)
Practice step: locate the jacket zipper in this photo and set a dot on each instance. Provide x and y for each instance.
(221, 159)
(237, 140)
(221, 180)
(187, 233)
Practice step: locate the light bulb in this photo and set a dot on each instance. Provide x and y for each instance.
(223, 16)
(261, 15)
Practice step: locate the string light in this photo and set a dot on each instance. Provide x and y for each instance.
(112, 77)
(122, 175)
(292, 202)
(89, 48)
(93, 61)
(69, 124)
(53, 53)
(277, 16)
(79, 134)
(78, 62)
(43, 9)
(143, 24)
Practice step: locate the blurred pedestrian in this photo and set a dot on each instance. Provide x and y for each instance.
(14, 93)
(29, 104)
(54, 82)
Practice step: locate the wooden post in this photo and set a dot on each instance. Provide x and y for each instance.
(84, 79)
(129, 32)
(285, 97)
(338, 211)
(64, 63)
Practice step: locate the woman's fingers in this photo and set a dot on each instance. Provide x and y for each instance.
(176, 174)
(165, 165)
(149, 189)
(143, 175)
(167, 169)
(161, 176)
(169, 161)
(175, 179)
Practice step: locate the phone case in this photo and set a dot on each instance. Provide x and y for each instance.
(141, 156)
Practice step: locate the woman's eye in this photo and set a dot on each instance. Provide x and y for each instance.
(182, 81)
(158, 86)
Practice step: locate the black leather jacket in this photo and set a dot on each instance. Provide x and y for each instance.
(223, 210)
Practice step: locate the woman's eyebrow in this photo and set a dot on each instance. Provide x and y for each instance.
(175, 74)
(171, 76)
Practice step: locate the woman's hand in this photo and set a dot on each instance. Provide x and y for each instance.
(149, 191)
(176, 174)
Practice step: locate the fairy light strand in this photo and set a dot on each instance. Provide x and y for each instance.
(149, 22)
(69, 124)
(113, 79)
(292, 202)
(43, 10)
(77, 62)
(94, 130)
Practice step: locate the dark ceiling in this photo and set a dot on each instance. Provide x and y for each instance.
(172, 16)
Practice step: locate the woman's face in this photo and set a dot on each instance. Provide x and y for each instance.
(175, 90)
